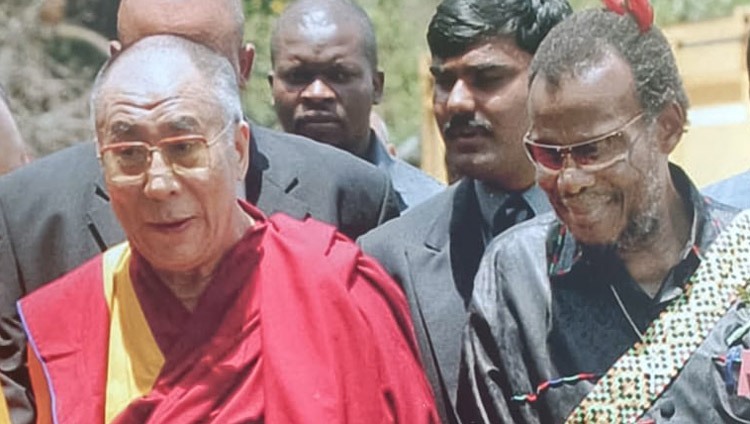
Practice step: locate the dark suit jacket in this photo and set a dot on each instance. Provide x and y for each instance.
(433, 251)
(55, 214)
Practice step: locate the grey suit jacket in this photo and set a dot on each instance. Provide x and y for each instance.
(55, 215)
(433, 252)
(412, 185)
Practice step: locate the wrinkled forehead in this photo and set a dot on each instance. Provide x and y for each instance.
(584, 104)
(319, 33)
(150, 83)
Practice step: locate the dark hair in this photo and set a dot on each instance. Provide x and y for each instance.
(460, 24)
(341, 10)
(586, 38)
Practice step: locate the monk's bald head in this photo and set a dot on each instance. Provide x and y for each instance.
(314, 17)
(218, 24)
(165, 67)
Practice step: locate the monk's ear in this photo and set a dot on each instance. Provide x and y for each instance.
(241, 147)
(670, 126)
(247, 57)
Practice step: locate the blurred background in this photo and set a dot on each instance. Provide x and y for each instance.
(50, 51)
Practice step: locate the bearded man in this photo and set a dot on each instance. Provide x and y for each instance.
(620, 307)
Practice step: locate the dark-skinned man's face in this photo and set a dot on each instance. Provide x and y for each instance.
(323, 84)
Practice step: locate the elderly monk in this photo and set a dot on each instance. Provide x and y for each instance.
(55, 212)
(210, 312)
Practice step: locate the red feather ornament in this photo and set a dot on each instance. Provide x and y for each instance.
(640, 10)
(616, 6)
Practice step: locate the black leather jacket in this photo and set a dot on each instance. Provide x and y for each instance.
(543, 312)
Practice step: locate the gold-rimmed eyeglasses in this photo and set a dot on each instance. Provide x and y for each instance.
(591, 155)
(127, 162)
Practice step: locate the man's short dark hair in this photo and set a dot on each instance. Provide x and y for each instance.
(460, 24)
(586, 38)
(338, 9)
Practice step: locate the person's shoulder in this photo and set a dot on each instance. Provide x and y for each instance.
(309, 237)
(413, 183)
(417, 176)
(68, 286)
(720, 213)
(311, 243)
(307, 155)
(733, 191)
(54, 174)
(514, 270)
(417, 222)
(307, 231)
(526, 239)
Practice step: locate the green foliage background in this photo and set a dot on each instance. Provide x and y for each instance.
(401, 26)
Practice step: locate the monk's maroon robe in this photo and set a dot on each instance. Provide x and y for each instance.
(297, 326)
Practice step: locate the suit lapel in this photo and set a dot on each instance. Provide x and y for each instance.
(102, 223)
(275, 199)
(431, 295)
(443, 271)
(268, 185)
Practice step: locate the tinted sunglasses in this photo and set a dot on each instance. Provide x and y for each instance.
(591, 155)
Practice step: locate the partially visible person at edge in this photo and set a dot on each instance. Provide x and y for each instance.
(13, 150)
(620, 307)
(209, 311)
(735, 190)
(481, 52)
(55, 212)
(325, 80)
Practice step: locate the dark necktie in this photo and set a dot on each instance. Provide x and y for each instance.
(513, 210)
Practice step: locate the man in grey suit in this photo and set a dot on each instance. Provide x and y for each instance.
(55, 213)
(325, 80)
(481, 51)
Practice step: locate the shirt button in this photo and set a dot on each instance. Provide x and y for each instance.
(667, 409)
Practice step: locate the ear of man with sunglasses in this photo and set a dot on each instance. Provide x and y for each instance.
(618, 307)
